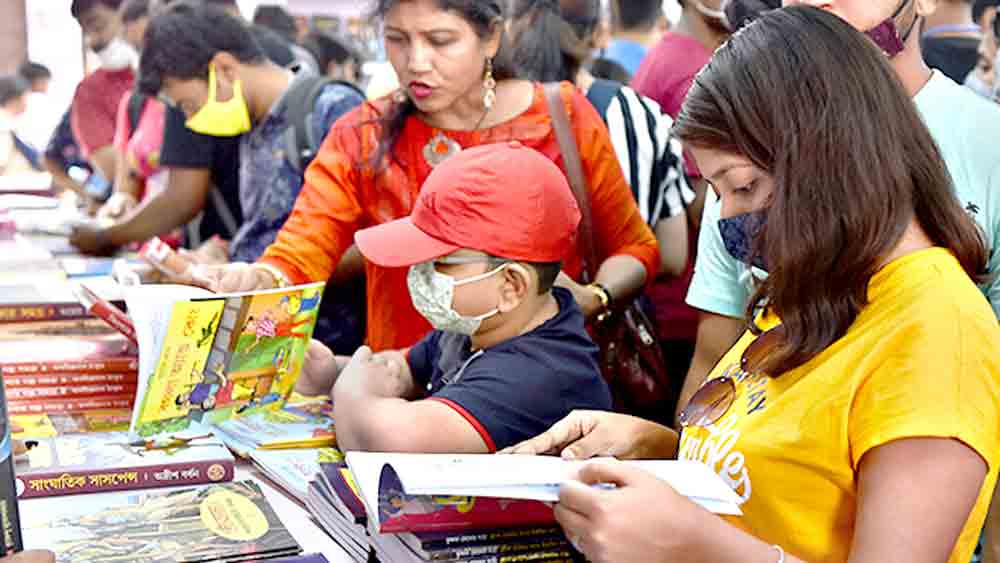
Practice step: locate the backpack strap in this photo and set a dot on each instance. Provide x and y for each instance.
(601, 94)
(301, 144)
(136, 103)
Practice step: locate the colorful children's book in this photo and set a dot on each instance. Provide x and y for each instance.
(300, 424)
(293, 469)
(92, 463)
(440, 492)
(225, 522)
(206, 357)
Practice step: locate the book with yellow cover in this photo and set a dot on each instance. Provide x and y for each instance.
(207, 357)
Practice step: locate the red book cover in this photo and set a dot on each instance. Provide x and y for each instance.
(71, 405)
(57, 379)
(17, 394)
(399, 512)
(92, 463)
(82, 346)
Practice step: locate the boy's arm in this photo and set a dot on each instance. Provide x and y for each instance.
(374, 410)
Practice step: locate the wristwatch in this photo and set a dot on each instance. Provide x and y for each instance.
(604, 296)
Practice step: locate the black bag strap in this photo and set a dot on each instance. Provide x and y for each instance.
(601, 93)
(577, 179)
(301, 144)
(136, 103)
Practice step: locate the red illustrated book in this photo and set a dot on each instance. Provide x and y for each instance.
(82, 346)
(18, 394)
(92, 463)
(58, 379)
(71, 405)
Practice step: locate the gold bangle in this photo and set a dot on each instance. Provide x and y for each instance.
(279, 277)
(602, 294)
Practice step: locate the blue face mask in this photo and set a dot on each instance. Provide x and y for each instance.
(740, 232)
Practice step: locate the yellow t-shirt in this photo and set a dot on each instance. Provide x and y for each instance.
(921, 360)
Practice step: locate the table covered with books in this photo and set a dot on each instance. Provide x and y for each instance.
(159, 424)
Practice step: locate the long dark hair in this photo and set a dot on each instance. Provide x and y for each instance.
(551, 37)
(484, 16)
(814, 103)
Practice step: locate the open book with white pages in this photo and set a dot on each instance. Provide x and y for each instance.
(517, 477)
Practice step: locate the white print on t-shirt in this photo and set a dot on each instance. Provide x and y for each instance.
(716, 450)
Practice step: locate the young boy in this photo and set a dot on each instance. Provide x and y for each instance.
(509, 356)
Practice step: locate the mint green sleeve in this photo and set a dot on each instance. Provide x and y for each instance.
(992, 227)
(720, 283)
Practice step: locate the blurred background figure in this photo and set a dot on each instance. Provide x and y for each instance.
(982, 78)
(278, 20)
(637, 25)
(16, 156)
(95, 103)
(950, 41)
(337, 58)
(41, 117)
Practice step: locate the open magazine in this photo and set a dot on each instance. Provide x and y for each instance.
(207, 357)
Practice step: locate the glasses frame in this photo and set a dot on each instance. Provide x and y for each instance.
(702, 410)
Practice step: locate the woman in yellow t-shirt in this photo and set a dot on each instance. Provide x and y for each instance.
(858, 417)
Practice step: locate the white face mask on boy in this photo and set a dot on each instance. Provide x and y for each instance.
(432, 293)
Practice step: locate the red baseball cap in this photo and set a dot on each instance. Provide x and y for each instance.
(506, 200)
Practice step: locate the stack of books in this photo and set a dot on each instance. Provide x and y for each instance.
(66, 367)
(412, 508)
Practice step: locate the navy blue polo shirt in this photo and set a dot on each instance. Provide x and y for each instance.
(520, 387)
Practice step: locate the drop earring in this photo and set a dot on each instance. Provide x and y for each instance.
(490, 85)
(399, 96)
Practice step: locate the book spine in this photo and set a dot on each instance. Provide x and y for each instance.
(98, 480)
(23, 313)
(68, 406)
(37, 312)
(61, 379)
(107, 365)
(20, 394)
(446, 541)
(541, 556)
(497, 549)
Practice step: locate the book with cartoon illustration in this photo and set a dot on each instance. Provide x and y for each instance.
(302, 423)
(223, 522)
(206, 358)
(112, 461)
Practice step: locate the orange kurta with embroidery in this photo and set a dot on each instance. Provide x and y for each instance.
(343, 194)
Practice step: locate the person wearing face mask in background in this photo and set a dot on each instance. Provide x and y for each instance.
(509, 355)
(138, 130)
(206, 62)
(95, 103)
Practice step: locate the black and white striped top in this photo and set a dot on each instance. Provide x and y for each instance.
(652, 159)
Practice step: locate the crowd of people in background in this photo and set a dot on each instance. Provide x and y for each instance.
(804, 197)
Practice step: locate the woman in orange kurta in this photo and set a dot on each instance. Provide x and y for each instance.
(348, 188)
